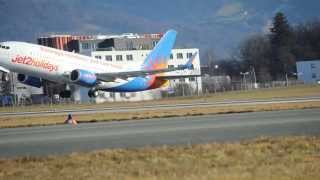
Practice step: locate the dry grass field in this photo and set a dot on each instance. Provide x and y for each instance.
(296, 158)
(10, 122)
(296, 91)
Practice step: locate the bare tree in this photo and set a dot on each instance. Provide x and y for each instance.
(255, 53)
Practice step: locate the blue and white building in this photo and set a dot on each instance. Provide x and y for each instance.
(309, 71)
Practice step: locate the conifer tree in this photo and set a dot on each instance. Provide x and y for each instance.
(281, 38)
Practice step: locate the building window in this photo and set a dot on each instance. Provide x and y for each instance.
(154, 43)
(180, 66)
(119, 57)
(313, 66)
(179, 56)
(112, 94)
(98, 57)
(108, 58)
(191, 79)
(122, 94)
(314, 76)
(189, 55)
(145, 47)
(171, 56)
(129, 57)
(182, 80)
(170, 66)
(85, 45)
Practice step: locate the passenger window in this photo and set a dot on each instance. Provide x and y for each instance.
(119, 57)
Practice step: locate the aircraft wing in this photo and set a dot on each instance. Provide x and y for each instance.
(128, 74)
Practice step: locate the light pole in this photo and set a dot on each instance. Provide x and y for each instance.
(216, 67)
(255, 85)
(244, 79)
(297, 74)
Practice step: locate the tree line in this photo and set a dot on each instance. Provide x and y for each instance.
(274, 55)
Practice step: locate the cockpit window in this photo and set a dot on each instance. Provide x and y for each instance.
(5, 47)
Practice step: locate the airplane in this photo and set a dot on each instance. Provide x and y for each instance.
(35, 63)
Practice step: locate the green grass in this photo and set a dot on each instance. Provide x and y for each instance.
(264, 158)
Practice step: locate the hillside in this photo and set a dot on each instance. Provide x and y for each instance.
(218, 25)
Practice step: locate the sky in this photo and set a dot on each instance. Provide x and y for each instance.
(218, 26)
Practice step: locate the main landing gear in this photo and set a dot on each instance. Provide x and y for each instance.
(5, 77)
(92, 93)
(65, 94)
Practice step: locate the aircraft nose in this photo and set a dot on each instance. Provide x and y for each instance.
(4, 54)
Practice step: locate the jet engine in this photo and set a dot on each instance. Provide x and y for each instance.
(83, 78)
(29, 80)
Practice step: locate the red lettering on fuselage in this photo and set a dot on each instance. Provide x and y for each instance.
(43, 64)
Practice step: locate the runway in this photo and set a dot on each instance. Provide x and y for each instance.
(195, 103)
(62, 139)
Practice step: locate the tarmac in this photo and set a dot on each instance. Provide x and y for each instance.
(64, 139)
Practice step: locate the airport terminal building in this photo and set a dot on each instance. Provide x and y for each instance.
(127, 50)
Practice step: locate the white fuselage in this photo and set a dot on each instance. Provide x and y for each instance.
(49, 63)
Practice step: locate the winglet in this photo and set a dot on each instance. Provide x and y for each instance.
(158, 57)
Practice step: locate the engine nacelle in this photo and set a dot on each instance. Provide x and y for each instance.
(29, 80)
(83, 78)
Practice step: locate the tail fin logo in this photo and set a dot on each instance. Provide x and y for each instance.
(158, 58)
